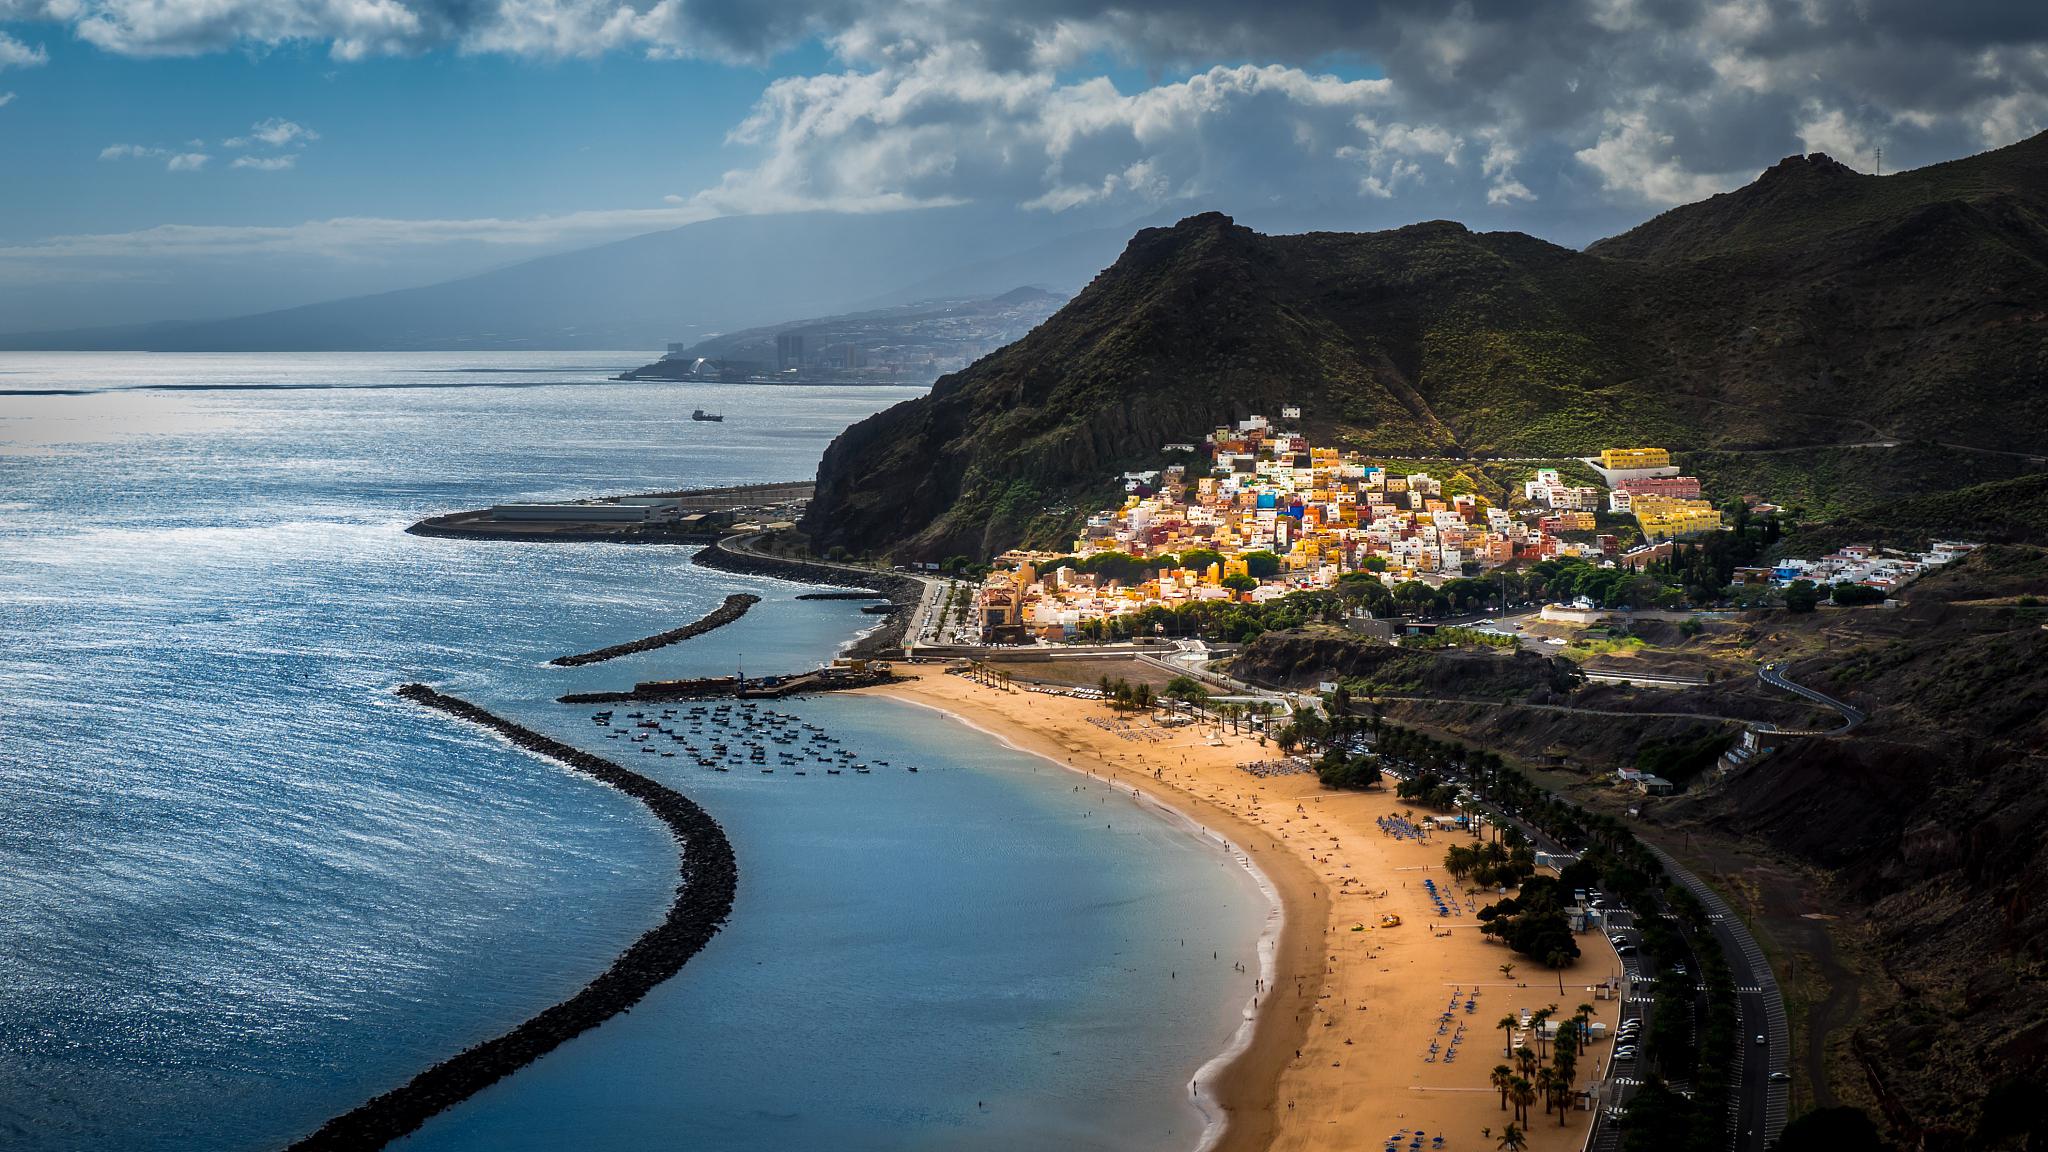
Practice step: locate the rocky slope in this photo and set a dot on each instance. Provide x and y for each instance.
(1929, 825)
(1814, 307)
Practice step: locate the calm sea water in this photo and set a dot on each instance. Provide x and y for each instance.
(242, 888)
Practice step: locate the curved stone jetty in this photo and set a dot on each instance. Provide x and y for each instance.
(710, 877)
(735, 606)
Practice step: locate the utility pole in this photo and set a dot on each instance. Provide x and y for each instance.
(1880, 160)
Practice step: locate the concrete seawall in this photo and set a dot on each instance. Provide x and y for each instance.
(703, 901)
(903, 591)
(735, 606)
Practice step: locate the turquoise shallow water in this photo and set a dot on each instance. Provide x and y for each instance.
(242, 888)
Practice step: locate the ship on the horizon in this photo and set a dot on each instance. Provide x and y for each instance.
(701, 414)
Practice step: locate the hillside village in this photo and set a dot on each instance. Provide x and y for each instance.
(1261, 512)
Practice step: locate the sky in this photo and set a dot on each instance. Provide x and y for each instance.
(177, 158)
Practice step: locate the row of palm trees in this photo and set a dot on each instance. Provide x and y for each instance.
(1528, 1079)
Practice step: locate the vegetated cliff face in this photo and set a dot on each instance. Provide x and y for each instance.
(1815, 307)
(1933, 818)
(1301, 659)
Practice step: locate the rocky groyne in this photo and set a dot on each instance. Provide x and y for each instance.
(752, 688)
(735, 606)
(843, 596)
(710, 877)
(731, 554)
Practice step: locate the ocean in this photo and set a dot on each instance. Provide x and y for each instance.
(243, 888)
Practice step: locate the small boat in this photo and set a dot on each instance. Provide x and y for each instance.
(701, 414)
(831, 771)
(913, 767)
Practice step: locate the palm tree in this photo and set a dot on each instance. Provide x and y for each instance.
(1546, 1085)
(1537, 1020)
(1559, 961)
(1512, 1140)
(1507, 971)
(1507, 1025)
(1523, 1094)
(1585, 1014)
(1501, 1078)
(1525, 1058)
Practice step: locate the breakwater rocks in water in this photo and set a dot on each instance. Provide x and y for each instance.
(710, 877)
(732, 554)
(754, 688)
(843, 596)
(735, 606)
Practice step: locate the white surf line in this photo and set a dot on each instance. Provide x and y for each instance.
(1213, 1117)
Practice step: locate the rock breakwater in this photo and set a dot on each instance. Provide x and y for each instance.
(735, 606)
(732, 554)
(710, 878)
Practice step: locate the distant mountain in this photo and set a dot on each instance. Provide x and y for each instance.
(679, 285)
(1816, 307)
(907, 344)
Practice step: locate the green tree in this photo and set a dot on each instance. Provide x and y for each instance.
(1801, 596)
(1262, 564)
(1239, 582)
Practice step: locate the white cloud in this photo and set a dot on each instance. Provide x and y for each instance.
(15, 54)
(6, 98)
(1830, 130)
(267, 163)
(945, 126)
(187, 162)
(1638, 162)
(128, 152)
(273, 133)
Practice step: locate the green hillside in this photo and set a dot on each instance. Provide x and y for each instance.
(1814, 308)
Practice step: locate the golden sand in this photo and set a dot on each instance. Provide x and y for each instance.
(1340, 1054)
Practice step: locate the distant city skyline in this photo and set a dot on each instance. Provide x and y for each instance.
(174, 159)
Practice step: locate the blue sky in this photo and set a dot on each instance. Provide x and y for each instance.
(434, 135)
(415, 140)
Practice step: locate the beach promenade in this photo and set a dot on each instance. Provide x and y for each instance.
(1363, 1037)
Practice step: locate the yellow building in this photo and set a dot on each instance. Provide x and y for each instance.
(1619, 458)
(1663, 517)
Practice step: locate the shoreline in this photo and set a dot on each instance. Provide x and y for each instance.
(1381, 1009)
(709, 879)
(1236, 1091)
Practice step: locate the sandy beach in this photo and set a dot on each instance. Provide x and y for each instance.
(1349, 1041)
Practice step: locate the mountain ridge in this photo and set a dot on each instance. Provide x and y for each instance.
(682, 284)
(1809, 308)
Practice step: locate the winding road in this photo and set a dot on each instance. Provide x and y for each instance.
(1774, 675)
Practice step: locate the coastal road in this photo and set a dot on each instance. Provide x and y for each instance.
(1774, 675)
(1759, 1106)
